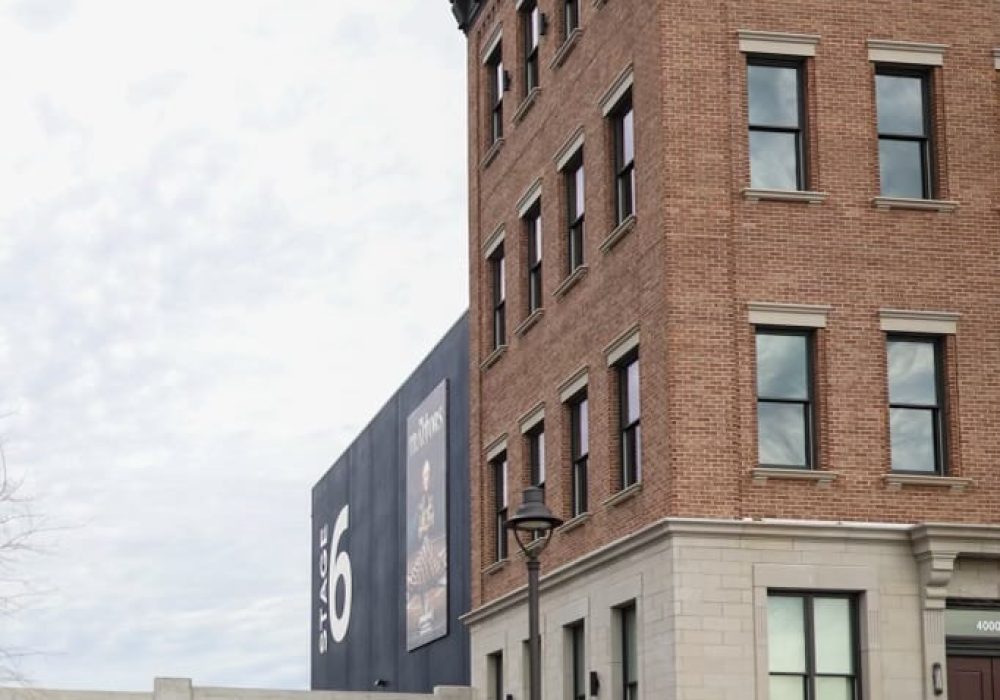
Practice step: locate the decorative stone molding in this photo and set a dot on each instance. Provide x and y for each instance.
(574, 522)
(909, 52)
(576, 383)
(496, 448)
(529, 198)
(493, 357)
(905, 321)
(896, 482)
(622, 345)
(494, 241)
(620, 231)
(495, 567)
(491, 44)
(528, 323)
(760, 313)
(570, 282)
(625, 494)
(622, 84)
(569, 149)
(943, 206)
(491, 154)
(761, 195)
(532, 418)
(566, 49)
(822, 479)
(777, 43)
(935, 570)
(526, 104)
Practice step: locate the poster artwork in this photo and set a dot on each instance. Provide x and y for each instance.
(426, 520)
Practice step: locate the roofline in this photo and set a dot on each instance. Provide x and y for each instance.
(465, 12)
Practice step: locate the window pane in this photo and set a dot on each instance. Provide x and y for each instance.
(786, 646)
(782, 366)
(912, 373)
(774, 96)
(632, 391)
(900, 101)
(834, 689)
(584, 413)
(579, 190)
(781, 434)
(541, 457)
(901, 168)
(788, 688)
(912, 435)
(832, 629)
(628, 137)
(774, 160)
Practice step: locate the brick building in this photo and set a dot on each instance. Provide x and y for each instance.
(734, 278)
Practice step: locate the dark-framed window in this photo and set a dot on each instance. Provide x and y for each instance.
(494, 673)
(571, 17)
(576, 638)
(579, 449)
(629, 411)
(536, 455)
(531, 27)
(903, 104)
(533, 232)
(498, 296)
(623, 126)
(573, 177)
(777, 117)
(629, 649)
(496, 84)
(812, 646)
(785, 422)
(498, 466)
(916, 416)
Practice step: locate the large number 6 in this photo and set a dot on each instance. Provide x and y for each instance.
(341, 570)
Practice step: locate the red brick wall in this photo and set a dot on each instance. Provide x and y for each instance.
(700, 252)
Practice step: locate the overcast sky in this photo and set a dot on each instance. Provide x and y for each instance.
(228, 230)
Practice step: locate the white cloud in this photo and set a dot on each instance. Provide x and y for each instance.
(228, 231)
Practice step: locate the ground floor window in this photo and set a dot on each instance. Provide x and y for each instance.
(812, 646)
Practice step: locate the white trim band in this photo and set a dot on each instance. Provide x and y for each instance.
(569, 149)
(884, 51)
(778, 43)
(935, 322)
(491, 45)
(613, 95)
(574, 385)
(532, 418)
(529, 198)
(622, 345)
(761, 313)
(496, 448)
(996, 58)
(493, 242)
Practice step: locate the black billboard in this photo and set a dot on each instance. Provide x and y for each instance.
(391, 540)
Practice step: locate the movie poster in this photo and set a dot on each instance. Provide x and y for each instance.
(426, 520)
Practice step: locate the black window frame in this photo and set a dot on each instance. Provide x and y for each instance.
(496, 81)
(571, 17)
(801, 132)
(532, 222)
(629, 432)
(575, 217)
(810, 641)
(579, 453)
(500, 473)
(812, 452)
(628, 624)
(927, 161)
(576, 635)
(498, 296)
(624, 171)
(531, 38)
(938, 410)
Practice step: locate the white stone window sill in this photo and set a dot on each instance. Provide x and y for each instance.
(941, 205)
(493, 357)
(620, 231)
(574, 522)
(752, 194)
(529, 323)
(491, 154)
(526, 104)
(570, 282)
(822, 479)
(566, 49)
(625, 494)
(495, 567)
(956, 484)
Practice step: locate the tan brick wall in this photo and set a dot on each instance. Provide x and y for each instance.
(700, 252)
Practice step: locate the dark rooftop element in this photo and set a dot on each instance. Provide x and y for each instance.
(465, 12)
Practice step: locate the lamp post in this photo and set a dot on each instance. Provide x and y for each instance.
(533, 522)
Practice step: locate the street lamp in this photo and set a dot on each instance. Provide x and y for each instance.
(534, 522)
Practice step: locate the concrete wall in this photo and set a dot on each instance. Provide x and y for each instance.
(182, 689)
